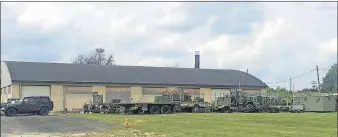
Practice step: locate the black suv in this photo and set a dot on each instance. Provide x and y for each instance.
(40, 105)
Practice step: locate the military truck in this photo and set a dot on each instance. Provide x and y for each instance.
(221, 104)
(95, 105)
(198, 105)
(238, 101)
(164, 103)
(157, 104)
(267, 104)
(40, 105)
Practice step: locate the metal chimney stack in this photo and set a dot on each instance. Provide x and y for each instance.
(197, 59)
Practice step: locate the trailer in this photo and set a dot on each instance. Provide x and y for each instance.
(164, 103)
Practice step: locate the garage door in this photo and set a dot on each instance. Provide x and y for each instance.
(123, 93)
(154, 90)
(76, 96)
(219, 93)
(35, 91)
(193, 92)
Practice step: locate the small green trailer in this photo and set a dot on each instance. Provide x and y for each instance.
(316, 102)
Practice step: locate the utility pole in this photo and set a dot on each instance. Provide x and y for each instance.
(290, 84)
(318, 82)
(247, 70)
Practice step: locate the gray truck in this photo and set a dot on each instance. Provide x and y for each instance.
(40, 105)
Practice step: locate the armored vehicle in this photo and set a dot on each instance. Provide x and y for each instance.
(40, 105)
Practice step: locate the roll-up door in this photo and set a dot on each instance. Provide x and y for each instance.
(154, 90)
(193, 92)
(76, 96)
(35, 91)
(123, 93)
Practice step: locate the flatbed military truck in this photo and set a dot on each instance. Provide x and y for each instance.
(165, 103)
(40, 105)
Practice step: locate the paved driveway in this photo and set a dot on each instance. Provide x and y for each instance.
(25, 126)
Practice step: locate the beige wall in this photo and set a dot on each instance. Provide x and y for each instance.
(57, 96)
(207, 94)
(136, 93)
(253, 91)
(5, 75)
(15, 91)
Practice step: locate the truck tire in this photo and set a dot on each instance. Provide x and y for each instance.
(11, 112)
(154, 110)
(207, 109)
(177, 109)
(249, 105)
(229, 110)
(223, 110)
(165, 109)
(195, 109)
(43, 111)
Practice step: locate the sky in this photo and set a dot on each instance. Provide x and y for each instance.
(274, 41)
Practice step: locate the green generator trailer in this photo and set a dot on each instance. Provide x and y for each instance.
(316, 102)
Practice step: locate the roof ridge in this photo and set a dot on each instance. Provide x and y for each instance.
(124, 66)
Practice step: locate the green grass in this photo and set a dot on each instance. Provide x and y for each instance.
(221, 125)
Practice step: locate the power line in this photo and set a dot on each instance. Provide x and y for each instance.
(303, 74)
(282, 81)
(291, 78)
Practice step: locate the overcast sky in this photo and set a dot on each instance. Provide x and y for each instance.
(274, 41)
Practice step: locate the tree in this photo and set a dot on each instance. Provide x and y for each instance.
(269, 91)
(330, 80)
(285, 94)
(98, 57)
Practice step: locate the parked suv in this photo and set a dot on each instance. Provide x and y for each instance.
(40, 105)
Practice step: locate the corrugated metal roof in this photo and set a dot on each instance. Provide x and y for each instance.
(61, 72)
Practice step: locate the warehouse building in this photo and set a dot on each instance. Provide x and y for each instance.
(71, 85)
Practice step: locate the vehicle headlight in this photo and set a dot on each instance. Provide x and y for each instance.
(2, 108)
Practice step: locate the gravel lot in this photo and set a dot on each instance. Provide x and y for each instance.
(49, 126)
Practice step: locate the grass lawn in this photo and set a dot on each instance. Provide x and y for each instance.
(221, 125)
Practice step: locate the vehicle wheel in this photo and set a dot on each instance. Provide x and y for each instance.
(195, 109)
(154, 110)
(141, 111)
(165, 109)
(177, 109)
(249, 106)
(11, 112)
(229, 110)
(223, 110)
(43, 111)
(207, 110)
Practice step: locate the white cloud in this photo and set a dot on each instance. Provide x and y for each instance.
(278, 46)
(329, 47)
